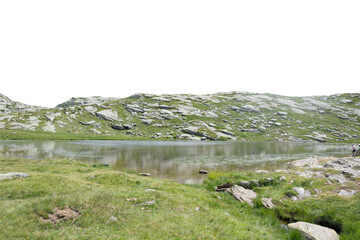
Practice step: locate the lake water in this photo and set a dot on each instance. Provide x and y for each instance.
(177, 160)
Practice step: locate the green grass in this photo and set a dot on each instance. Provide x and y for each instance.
(328, 209)
(99, 192)
(338, 130)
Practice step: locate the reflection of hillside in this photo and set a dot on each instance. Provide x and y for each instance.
(172, 160)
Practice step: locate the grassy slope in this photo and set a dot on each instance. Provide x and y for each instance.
(326, 122)
(328, 209)
(60, 183)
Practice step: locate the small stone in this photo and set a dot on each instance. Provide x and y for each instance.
(197, 208)
(267, 203)
(145, 174)
(131, 199)
(112, 219)
(150, 190)
(149, 203)
(203, 172)
(302, 193)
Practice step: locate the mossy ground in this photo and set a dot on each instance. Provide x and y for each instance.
(99, 192)
(327, 209)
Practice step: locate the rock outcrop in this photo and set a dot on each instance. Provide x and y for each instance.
(220, 116)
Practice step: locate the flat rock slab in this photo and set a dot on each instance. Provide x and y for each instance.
(242, 194)
(267, 203)
(108, 115)
(13, 175)
(314, 232)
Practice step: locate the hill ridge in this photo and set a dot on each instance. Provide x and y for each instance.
(219, 116)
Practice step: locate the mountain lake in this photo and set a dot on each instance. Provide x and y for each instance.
(177, 160)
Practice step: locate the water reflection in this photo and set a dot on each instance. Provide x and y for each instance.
(179, 160)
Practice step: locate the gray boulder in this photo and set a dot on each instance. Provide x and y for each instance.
(302, 193)
(121, 126)
(345, 193)
(90, 123)
(246, 108)
(210, 114)
(147, 121)
(249, 108)
(49, 127)
(167, 114)
(108, 115)
(242, 194)
(267, 203)
(134, 108)
(314, 232)
(13, 175)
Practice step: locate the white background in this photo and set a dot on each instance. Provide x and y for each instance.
(51, 51)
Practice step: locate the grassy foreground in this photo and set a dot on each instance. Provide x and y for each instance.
(167, 211)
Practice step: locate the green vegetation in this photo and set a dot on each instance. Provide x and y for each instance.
(98, 193)
(223, 116)
(328, 209)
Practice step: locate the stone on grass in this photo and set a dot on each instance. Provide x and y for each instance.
(112, 219)
(150, 190)
(203, 172)
(314, 232)
(148, 203)
(108, 115)
(242, 194)
(267, 203)
(345, 193)
(13, 175)
(302, 193)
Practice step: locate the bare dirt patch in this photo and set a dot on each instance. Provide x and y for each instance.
(61, 215)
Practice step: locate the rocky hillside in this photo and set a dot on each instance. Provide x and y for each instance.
(222, 116)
